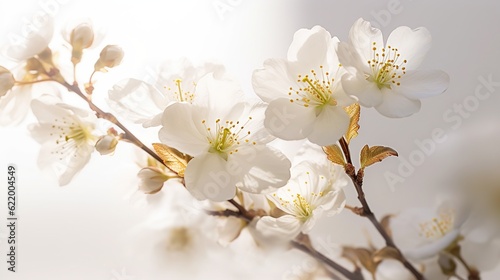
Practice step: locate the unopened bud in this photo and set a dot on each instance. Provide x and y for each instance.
(152, 179)
(7, 81)
(110, 57)
(82, 36)
(106, 144)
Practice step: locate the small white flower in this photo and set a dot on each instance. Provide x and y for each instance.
(176, 229)
(142, 102)
(422, 233)
(65, 133)
(385, 76)
(315, 189)
(304, 92)
(228, 142)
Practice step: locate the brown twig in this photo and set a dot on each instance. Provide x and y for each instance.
(357, 180)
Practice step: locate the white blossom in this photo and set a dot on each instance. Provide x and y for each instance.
(305, 96)
(422, 233)
(385, 76)
(143, 102)
(315, 189)
(228, 142)
(65, 133)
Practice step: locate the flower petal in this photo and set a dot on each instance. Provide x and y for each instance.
(412, 44)
(368, 94)
(286, 227)
(207, 177)
(34, 42)
(255, 125)
(273, 81)
(431, 249)
(309, 46)
(422, 84)
(65, 168)
(14, 106)
(396, 105)
(259, 168)
(329, 126)
(182, 129)
(136, 100)
(289, 121)
(219, 95)
(361, 38)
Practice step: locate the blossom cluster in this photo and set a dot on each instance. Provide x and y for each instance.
(219, 147)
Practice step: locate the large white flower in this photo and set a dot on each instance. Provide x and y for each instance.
(304, 92)
(228, 142)
(315, 189)
(385, 76)
(422, 233)
(65, 133)
(144, 102)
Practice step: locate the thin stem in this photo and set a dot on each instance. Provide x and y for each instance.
(240, 208)
(33, 82)
(91, 76)
(473, 273)
(345, 149)
(110, 117)
(324, 259)
(74, 74)
(357, 180)
(227, 213)
(242, 213)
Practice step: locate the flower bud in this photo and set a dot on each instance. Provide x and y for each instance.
(152, 179)
(110, 57)
(106, 144)
(7, 81)
(82, 36)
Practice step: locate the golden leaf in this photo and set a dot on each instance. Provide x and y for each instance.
(361, 255)
(385, 223)
(387, 253)
(371, 155)
(353, 111)
(334, 154)
(173, 159)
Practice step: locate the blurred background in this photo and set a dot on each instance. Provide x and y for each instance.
(91, 229)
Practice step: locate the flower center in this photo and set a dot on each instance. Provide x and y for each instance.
(437, 227)
(386, 66)
(314, 90)
(71, 135)
(180, 94)
(227, 137)
(300, 205)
